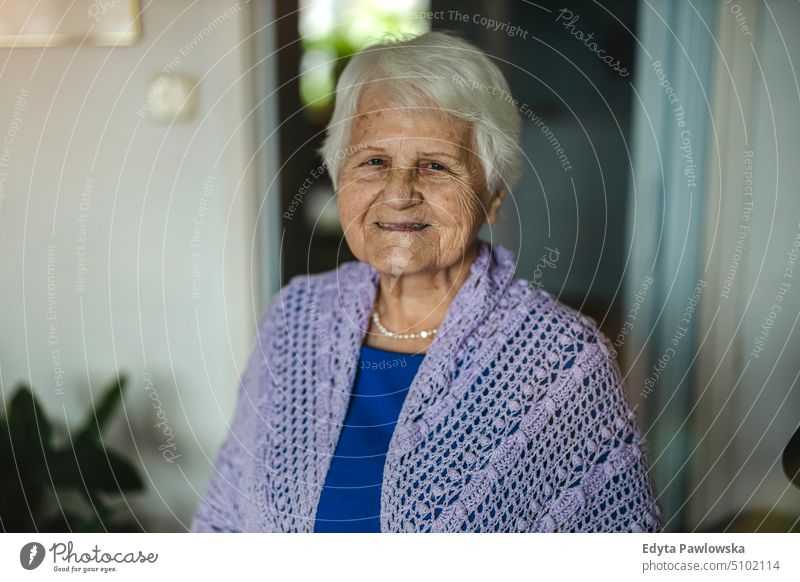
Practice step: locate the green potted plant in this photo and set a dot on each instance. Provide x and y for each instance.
(41, 475)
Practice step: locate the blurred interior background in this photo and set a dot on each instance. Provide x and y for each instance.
(159, 182)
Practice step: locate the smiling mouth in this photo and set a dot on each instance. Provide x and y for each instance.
(402, 226)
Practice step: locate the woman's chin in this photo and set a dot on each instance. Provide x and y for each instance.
(396, 260)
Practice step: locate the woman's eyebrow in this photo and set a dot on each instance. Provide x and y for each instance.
(369, 147)
(440, 154)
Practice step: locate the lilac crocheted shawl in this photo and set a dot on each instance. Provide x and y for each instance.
(515, 422)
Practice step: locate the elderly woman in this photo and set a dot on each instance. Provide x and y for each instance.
(424, 388)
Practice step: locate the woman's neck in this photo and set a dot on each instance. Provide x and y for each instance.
(416, 302)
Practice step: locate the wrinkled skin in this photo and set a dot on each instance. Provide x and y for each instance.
(412, 166)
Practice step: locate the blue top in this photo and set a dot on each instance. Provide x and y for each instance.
(351, 495)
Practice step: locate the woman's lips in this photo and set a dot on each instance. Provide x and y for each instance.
(402, 226)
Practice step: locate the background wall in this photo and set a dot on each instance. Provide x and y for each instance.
(157, 220)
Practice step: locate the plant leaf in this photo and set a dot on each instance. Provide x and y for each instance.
(98, 418)
(25, 443)
(27, 420)
(91, 469)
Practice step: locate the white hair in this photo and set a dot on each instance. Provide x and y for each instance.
(447, 71)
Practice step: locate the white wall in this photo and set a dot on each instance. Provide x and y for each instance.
(77, 124)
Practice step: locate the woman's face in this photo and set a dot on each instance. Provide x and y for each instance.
(412, 194)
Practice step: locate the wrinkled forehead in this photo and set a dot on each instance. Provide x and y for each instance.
(384, 96)
(382, 115)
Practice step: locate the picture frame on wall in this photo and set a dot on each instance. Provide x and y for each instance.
(50, 23)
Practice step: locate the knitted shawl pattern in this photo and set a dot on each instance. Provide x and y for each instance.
(515, 422)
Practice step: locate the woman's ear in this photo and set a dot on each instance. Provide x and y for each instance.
(494, 206)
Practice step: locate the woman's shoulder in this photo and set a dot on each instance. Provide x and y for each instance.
(559, 327)
(309, 292)
(321, 290)
(343, 277)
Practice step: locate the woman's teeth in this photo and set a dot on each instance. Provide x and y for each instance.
(402, 226)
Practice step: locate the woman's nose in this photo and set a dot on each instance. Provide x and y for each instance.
(399, 191)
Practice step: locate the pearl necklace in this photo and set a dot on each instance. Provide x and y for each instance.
(420, 335)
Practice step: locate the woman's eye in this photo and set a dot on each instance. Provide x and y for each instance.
(434, 168)
(374, 162)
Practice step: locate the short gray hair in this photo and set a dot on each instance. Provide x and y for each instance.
(443, 69)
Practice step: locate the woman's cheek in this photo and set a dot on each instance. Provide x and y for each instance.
(464, 208)
(347, 211)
